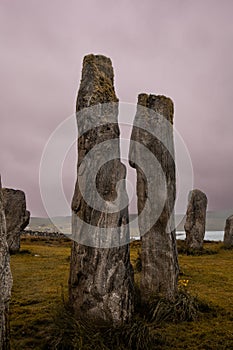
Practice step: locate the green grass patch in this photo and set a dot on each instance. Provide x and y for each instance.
(200, 318)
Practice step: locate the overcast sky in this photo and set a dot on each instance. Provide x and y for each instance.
(179, 48)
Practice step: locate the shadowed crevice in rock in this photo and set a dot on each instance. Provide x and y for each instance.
(156, 193)
(17, 217)
(101, 276)
(5, 279)
(195, 219)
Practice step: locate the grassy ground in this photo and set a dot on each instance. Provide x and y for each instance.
(40, 275)
(40, 272)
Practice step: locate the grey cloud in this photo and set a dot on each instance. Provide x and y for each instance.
(178, 48)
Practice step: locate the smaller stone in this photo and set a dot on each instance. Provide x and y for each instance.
(17, 217)
(195, 220)
(228, 232)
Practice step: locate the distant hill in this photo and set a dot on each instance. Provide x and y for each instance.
(59, 223)
(215, 222)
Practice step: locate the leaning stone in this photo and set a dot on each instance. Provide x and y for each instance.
(195, 220)
(152, 155)
(228, 232)
(17, 217)
(101, 276)
(5, 280)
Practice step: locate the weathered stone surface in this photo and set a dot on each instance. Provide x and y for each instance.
(156, 193)
(101, 276)
(195, 219)
(228, 232)
(17, 217)
(5, 279)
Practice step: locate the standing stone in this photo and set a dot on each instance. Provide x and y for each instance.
(17, 217)
(228, 232)
(5, 279)
(195, 220)
(151, 139)
(101, 276)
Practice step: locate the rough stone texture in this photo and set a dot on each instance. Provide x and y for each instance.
(228, 233)
(195, 219)
(5, 280)
(17, 217)
(156, 193)
(101, 279)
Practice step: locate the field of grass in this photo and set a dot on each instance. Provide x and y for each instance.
(40, 275)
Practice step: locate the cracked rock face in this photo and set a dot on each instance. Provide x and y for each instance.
(17, 217)
(195, 219)
(5, 279)
(228, 232)
(101, 276)
(152, 155)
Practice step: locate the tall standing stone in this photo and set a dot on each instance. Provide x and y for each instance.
(17, 217)
(195, 219)
(151, 139)
(228, 232)
(5, 279)
(101, 276)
